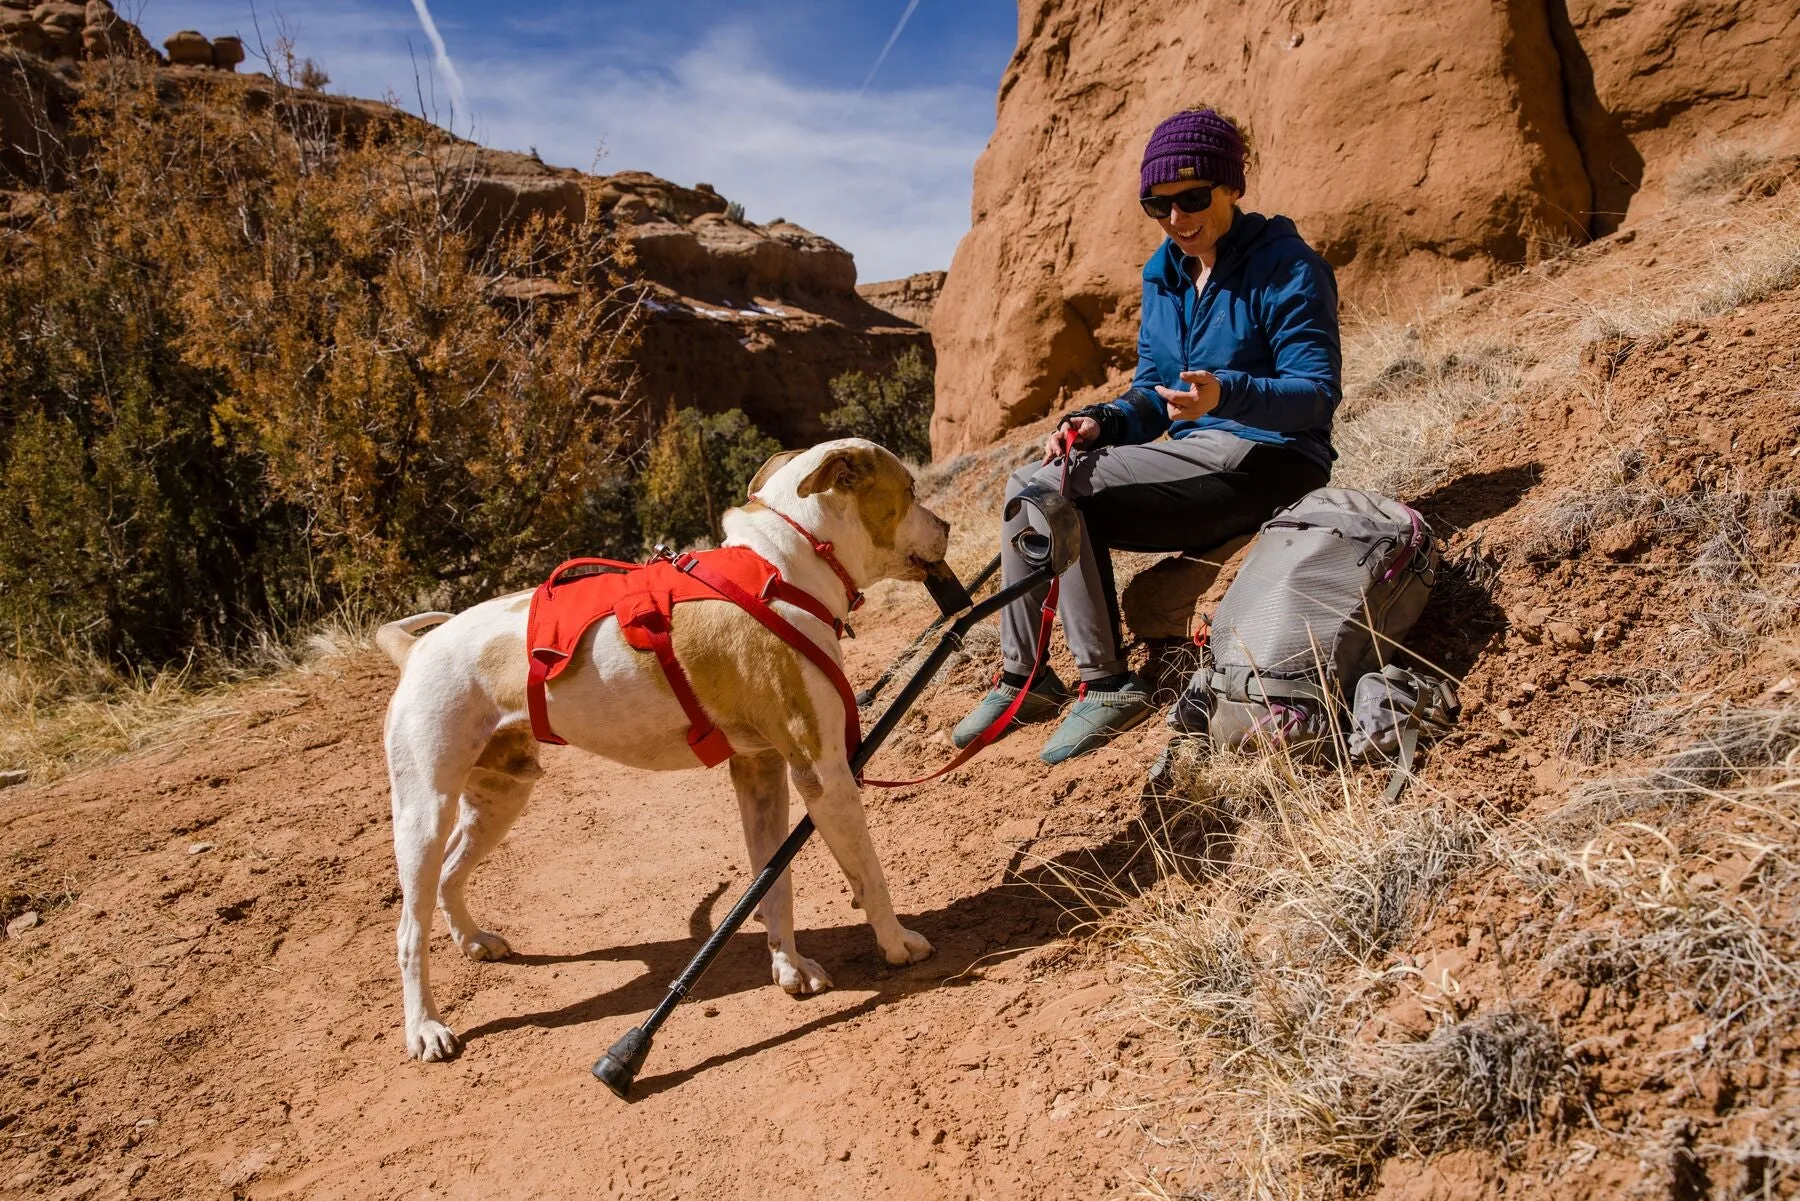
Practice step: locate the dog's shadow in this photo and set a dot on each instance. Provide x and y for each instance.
(1032, 905)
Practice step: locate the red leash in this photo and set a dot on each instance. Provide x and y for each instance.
(1046, 620)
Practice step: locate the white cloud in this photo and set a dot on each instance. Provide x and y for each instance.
(887, 176)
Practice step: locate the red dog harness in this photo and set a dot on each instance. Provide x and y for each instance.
(642, 596)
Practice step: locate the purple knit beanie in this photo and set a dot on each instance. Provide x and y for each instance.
(1197, 144)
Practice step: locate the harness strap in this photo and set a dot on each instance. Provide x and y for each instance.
(1267, 688)
(1409, 753)
(783, 629)
(705, 739)
(535, 703)
(779, 589)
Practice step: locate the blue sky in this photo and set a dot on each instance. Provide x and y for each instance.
(763, 100)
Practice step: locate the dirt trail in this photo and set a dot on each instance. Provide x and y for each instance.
(215, 1010)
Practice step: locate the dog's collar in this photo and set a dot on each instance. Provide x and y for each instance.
(822, 549)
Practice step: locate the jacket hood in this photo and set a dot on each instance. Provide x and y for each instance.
(1250, 235)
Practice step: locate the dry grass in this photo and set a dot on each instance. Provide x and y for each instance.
(1268, 948)
(1718, 168)
(1405, 394)
(1679, 886)
(1409, 383)
(1269, 960)
(1742, 585)
(58, 715)
(1750, 260)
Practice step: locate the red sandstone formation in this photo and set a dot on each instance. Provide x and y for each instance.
(1420, 146)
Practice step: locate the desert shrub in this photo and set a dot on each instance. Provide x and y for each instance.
(249, 372)
(695, 468)
(1716, 168)
(311, 75)
(893, 410)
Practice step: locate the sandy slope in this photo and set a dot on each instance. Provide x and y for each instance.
(226, 1021)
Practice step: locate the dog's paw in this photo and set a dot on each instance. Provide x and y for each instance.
(913, 948)
(798, 975)
(432, 1041)
(483, 945)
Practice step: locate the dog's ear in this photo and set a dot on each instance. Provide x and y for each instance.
(774, 463)
(843, 470)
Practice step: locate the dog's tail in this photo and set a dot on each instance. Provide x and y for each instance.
(397, 638)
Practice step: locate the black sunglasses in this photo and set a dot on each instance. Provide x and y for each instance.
(1193, 200)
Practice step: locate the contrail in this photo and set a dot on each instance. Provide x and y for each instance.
(457, 96)
(879, 59)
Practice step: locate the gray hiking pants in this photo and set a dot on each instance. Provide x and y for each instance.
(1189, 494)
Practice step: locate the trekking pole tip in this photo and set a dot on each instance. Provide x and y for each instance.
(619, 1066)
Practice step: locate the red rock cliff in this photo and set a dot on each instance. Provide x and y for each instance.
(1419, 146)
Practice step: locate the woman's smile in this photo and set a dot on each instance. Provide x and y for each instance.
(1198, 233)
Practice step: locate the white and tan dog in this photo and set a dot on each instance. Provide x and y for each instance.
(462, 759)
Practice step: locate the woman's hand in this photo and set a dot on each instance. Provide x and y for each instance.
(1201, 398)
(1072, 434)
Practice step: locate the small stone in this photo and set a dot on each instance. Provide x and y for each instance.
(29, 920)
(1566, 635)
(200, 848)
(711, 1011)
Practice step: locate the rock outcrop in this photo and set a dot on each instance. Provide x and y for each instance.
(910, 299)
(1419, 146)
(61, 30)
(754, 317)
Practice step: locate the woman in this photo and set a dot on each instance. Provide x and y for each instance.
(1239, 364)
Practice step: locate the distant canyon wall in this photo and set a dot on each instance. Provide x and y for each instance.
(1421, 146)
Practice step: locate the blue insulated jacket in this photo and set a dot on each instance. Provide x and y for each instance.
(1266, 325)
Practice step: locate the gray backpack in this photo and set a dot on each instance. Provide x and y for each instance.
(1395, 712)
(1332, 585)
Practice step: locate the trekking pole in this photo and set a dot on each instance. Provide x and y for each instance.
(867, 696)
(1049, 554)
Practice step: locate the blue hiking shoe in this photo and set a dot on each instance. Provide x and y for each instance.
(1096, 718)
(1047, 697)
